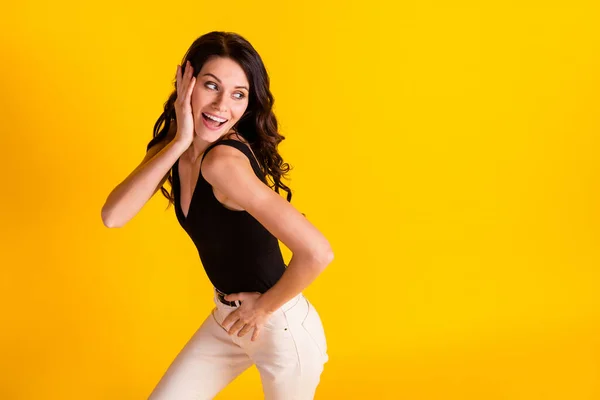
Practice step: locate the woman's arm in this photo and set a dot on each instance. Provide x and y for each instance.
(128, 198)
(229, 171)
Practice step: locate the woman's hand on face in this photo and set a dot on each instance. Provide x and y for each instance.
(247, 316)
(183, 106)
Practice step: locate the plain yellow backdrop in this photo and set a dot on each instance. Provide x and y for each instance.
(448, 150)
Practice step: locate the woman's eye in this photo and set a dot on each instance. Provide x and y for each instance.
(212, 85)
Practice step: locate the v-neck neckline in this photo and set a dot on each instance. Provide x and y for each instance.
(253, 162)
(193, 194)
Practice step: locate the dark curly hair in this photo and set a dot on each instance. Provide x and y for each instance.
(258, 125)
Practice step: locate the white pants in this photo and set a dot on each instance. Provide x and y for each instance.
(289, 354)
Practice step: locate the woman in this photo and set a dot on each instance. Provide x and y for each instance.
(218, 149)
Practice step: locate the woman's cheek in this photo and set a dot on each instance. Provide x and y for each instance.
(240, 111)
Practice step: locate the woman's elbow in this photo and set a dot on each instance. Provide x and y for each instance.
(328, 256)
(107, 218)
(323, 257)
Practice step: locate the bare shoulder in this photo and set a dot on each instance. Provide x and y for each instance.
(227, 165)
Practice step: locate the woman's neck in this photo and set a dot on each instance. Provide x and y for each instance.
(198, 146)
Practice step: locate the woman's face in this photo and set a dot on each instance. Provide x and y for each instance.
(221, 91)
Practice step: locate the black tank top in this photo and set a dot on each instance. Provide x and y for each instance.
(238, 253)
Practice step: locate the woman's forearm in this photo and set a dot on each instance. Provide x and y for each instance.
(128, 197)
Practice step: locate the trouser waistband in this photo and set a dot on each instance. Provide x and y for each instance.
(220, 296)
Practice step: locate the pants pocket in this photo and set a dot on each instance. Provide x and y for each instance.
(276, 322)
(314, 328)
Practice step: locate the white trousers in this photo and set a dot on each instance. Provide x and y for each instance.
(289, 353)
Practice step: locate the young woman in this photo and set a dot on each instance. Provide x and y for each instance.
(218, 149)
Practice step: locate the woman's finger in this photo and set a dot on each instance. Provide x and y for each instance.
(183, 84)
(236, 326)
(255, 333)
(233, 316)
(244, 330)
(188, 95)
(187, 81)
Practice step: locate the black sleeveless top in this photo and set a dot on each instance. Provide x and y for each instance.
(238, 253)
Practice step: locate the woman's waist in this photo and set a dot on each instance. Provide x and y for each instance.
(242, 258)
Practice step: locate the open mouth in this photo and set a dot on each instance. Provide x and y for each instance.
(213, 121)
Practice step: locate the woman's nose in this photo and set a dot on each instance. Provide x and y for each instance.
(219, 103)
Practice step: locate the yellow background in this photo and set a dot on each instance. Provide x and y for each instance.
(448, 150)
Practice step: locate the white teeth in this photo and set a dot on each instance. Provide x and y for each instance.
(215, 118)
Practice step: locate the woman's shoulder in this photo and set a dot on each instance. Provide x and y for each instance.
(230, 145)
(228, 154)
(234, 137)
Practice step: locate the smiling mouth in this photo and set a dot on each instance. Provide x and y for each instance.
(212, 122)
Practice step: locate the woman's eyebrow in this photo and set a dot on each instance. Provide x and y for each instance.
(218, 80)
